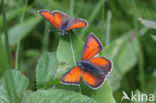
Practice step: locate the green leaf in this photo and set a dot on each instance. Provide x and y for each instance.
(104, 94)
(123, 53)
(58, 96)
(69, 49)
(22, 29)
(12, 87)
(64, 51)
(46, 69)
(26, 94)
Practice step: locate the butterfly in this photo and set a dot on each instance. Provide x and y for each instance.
(62, 21)
(93, 70)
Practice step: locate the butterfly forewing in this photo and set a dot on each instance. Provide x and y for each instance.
(91, 48)
(48, 16)
(60, 17)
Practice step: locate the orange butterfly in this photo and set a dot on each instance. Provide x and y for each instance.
(93, 70)
(62, 21)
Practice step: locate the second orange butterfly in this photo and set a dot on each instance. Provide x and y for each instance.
(62, 21)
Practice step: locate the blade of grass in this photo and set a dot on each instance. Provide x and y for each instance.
(108, 27)
(92, 16)
(71, 7)
(153, 36)
(140, 52)
(19, 40)
(71, 11)
(102, 22)
(6, 34)
(45, 38)
(3, 59)
(72, 50)
(10, 15)
(148, 23)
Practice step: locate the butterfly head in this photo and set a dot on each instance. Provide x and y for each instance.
(79, 64)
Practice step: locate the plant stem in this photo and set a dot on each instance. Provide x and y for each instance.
(71, 7)
(45, 38)
(6, 34)
(19, 39)
(71, 14)
(102, 31)
(92, 16)
(109, 16)
(72, 50)
(140, 52)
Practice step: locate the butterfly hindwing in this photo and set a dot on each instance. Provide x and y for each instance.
(103, 63)
(77, 23)
(96, 79)
(93, 79)
(48, 16)
(73, 76)
(91, 48)
(60, 17)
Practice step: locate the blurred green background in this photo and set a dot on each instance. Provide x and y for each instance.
(130, 43)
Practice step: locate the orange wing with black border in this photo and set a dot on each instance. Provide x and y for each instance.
(60, 17)
(73, 76)
(103, 63)
(94, 79)
(91, 48)
(77, 23)
(48, 16)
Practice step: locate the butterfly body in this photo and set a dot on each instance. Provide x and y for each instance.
(86, 66)
(93, 70)
(62, 21)
(63, 27)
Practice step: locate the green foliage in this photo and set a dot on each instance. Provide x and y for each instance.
(123, 53)
(104, 94)
(12, 87)
(21, 30)
(65, 50)
(58, 96)
(46, 69)
(10, 15)
(69, 49)
(43, 56)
